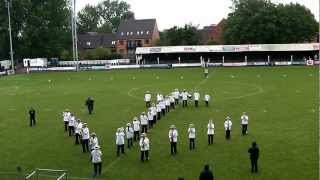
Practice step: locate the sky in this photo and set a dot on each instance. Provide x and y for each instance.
(198, 12)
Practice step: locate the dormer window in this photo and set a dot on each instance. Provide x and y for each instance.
(131, 33)
(147, 32)
(88, 43)
(122, 33)
(141, 32)
(127, 33)
(138, 32)
(113, 42)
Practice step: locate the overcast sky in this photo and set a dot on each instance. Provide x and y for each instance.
(178, 12)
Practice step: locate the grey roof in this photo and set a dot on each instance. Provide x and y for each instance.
(95, 40)
(136, 29)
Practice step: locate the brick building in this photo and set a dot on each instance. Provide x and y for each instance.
(212, 33)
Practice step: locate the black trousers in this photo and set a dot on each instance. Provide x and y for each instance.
(77, 138)
(150, 124)
(120, 148)
(97, 168)
(130, 142)
(85, 145)
(163, 112)
(210, 138)
(148, 104)
(254, 165)
(154, 119)
(90, 109)
(66, 126)
(244, 129)
(228, 132)
(207, 103)
(167, 108)
(71, 130)
(158, 115)
(136, 135)
(192, 145)
(196, 103)
(32, 121)
(185, 103)
(144, 156)
(172, 105)
(173, 148)
(176, 101)
(144, 128)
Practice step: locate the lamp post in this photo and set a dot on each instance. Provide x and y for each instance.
(74, 33)
(8, 4)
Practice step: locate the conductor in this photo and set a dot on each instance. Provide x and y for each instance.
(89, 104)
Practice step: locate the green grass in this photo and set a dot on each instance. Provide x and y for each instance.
(282, 110)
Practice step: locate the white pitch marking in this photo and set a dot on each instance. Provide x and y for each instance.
(258, 76)
(310, 75)
(284, 75)
(158, 77)
(12, 109)
(181, 77)
(133, 78)
(48, 109)
(90, 79)
(111, 165)
(313, 110)
(265, 111)
(49, 81)
(232, 76)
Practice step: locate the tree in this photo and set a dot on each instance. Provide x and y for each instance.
(261, 21)
(104, 17)
(176, 36)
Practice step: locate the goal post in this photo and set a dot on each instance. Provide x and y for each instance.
(47, 174)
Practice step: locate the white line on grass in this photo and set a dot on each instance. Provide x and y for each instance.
(111, 165)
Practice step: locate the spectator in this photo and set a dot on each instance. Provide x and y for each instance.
(206, 174)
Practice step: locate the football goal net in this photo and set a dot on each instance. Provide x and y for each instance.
(47, 174)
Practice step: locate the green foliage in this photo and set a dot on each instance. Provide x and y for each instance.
(104, 17)
(66, 55)
(40, 28)
(176, 36)
(261, 21)
(99, 54)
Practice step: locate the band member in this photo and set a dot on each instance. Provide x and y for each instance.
(173, 138)
(136, 129)
(93, 142)
(154, 113)
(192, 136)
(176, 96)
(85, 134)
(144, 122)
(207, 99)
(144, 146)
(159, 97)
(210, 131)
(184, 98)
(158, 109)
(89, 103)
(129, 134)
(78, 131)
(167, 103)
(120, 141)
(96, 158)
(206, 72)
(172, 102)
(150, 118)
(227, 127)
(196, 97)
(32, 117)
(71, 124)
(244, 123)
(163, 108)
(147, 99)
(66, 115)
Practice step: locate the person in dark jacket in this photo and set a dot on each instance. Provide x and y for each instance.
(32, 117)
(89, 104)
(254, 156)
(206, 174)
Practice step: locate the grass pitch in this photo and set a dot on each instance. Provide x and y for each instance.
(281, 104)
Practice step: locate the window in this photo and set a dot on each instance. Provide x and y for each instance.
(122, 33)
(127, 33)
(113, 42)
(131, 33)
(141, 32)
(147, 32)
(138, 32)
(88, 43)
(147, 41)
(121, 42)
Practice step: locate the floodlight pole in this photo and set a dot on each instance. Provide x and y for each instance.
(8, 3)
(74, 34)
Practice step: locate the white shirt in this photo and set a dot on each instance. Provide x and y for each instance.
(136, 125)
(144, 120)
(65, 116)
(196, 96)
(227, 125)
(96, 156)
(78, 128)
(144, 144)
(150, 116)
(171, 99)
(162, 105)
(192, 133)
(210, 129)
(173, 135)
(120, 138)
(129, 132)
(176, 94)
(159, 97)
(158, 108)
(153, 111)
(244, 119)
(93, 142)
(167, 102)
(85, 133)
(147, 97)
(72, 121)
(184, 96)
(207, 97)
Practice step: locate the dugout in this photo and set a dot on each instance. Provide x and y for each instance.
(228, 53)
